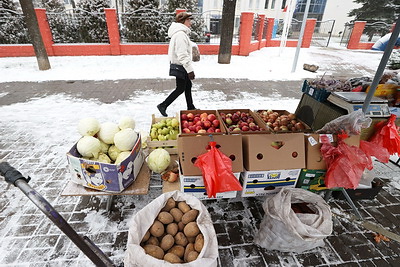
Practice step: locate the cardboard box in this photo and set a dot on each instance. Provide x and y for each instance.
(273, 151)
(313, 143)
(197, 113)
(257, 120)
(103, 176)
(312, 180)
(194, 185)
(260, 183)
(190, 147)
(170, 145)
(284, 112)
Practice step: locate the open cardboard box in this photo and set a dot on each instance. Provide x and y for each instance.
(197, 113)
(313, 143)
(169, 145)
(192, 146)
(284, 112)
(257, 120)
(273, 151)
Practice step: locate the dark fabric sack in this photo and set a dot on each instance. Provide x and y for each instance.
(178, 71)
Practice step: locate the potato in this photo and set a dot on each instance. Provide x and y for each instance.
(167, 242)
(192, 256)
(199, 243)
(191, 239)
(172, 229)
(177, 250)
(184, 207)
(180, 239)
(191, 229)
(157, 229)
(169, 205)
(172, 258)
(153, 241)
(154, 251)
(181, 225)
(165, 217)
(146, 236)
(188, 249)
(177, 214)
(190, 216)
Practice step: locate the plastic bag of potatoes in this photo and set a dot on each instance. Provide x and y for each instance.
(175, 229)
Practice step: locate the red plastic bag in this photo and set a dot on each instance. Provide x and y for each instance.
(377, 151)
(386, 135)
(345, 164)
(217, 172)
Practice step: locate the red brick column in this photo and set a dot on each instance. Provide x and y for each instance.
(246, 28)
(308, 32)
(260, 30)
(270, 27)
(355, 36)
(113, 31)
(45, 31)
(177, 11)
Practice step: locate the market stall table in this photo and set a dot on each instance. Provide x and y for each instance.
(139, 187)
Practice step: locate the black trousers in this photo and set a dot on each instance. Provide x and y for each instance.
(182, 85)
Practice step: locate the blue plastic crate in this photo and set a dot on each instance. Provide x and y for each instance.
(319, 94)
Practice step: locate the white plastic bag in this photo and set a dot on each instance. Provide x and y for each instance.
(284, 230)
(195, 52)
(350, 124)
(141, 222)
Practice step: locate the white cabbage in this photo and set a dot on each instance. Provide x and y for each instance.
(126, 122)
(122, 156)
(158, 160)
(107, 132)
(89, 146)
(125, 139)
(88, 126)
(113, 152)
(102, 158)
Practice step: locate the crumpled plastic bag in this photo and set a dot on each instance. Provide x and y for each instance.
(141, 222)
(217, 172)
(284, 230)
(345, 164)
(387, 135)
(374, 150)
(350, 124)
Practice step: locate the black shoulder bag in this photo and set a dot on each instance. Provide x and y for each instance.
(177, 70)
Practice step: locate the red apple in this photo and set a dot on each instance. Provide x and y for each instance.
(192, 128)
(198, 128)
(202, 131)
(190, 116)
(211, 117)
(218, 130)
(185, 124)
(245, 128)
(196, 119)
(207, 124)
(210, 130)
(215, 123)
(185, 130)
(199, 123)
(184, 117)
(203, 115)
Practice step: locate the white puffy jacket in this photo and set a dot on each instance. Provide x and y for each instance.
(180, 46)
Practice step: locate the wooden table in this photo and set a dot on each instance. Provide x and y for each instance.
(139, 187)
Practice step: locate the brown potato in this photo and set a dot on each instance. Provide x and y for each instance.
(146, 236)
(172, 229)
(169, 205)
(153, 241)
(184, 207)
(167, 242)
(177, 250)
(190, 216)
(191, 239)
(191, 229)
(172, 258)
(180, 239)
(157, 229)
(199, 243)
(154, 251)
(192, 256)
(177, 214)
(188, 249)
(181, 225)
(165, 217)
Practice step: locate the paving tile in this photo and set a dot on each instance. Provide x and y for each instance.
(364, 252)
(225, 258)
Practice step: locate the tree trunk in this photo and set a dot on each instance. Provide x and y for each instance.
(34, 32)
(227, 25)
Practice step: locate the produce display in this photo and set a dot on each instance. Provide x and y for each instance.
(278, 122)
(174, 235)
(240, 121)
(332, 85)
(158, 160)
(166, 129)
(108, 142)
(201, 123)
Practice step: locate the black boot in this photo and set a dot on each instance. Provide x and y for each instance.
(162, 108)
(192, 108)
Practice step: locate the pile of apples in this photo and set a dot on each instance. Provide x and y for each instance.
(239, 121)
(281, 122)
(200, 123)
(166, 129)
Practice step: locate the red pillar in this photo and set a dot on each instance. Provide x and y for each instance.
(246, 28)
(45, 31)
(356, 34)
(308, 32)
(113, 31)
(270, 27)
(260, 30)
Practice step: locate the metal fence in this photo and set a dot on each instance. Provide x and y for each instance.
(374, 31)
(348, 29)
(322, 33)
(212, 28)
(13, 29)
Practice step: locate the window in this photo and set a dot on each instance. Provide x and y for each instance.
(266, 4)
(273, 4)
(283, 4)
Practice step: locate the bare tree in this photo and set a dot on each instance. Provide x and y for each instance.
(227, 25)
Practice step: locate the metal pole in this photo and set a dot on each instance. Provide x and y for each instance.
(14, 177)
(382, 65)
(303, 26)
